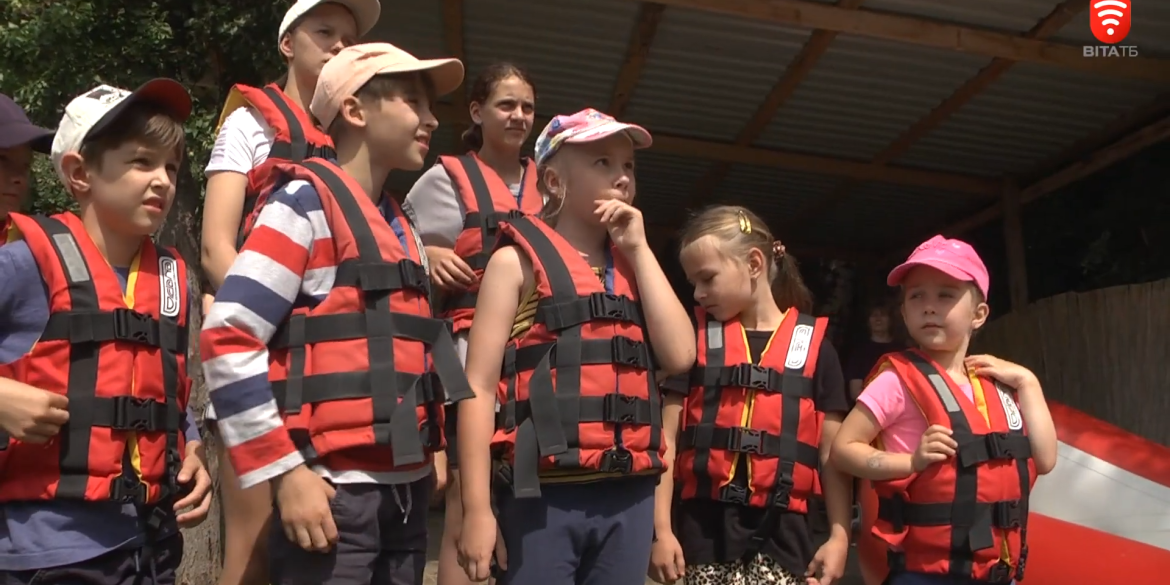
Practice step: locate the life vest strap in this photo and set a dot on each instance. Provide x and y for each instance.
(490, 221)
(744, 440)
(132, 413)
(595, 307)
(383, 276)
(982, 448)
(754, 377)
(316, 388)
(611, 408)
(1008, 514)
(301, 330)
(128, 325)
(619, 350)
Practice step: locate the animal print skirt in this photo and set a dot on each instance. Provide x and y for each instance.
(762, 570)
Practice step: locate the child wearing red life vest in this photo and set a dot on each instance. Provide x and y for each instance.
(580, 316)
(321, 353)
(101, 460)
(762, 406)
(456, 205)
(962, 438)
(258, 127)
(19, 141)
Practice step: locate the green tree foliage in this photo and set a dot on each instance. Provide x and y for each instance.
(55, 50)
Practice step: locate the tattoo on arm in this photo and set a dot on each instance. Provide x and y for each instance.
(875, 461)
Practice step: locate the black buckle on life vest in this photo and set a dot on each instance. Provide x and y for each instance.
(132, 413)
(781, 494)
(492, 221)
(999, 446)
(619, 408)
(627, 352)
(607, 306)
(1000, 573)
(1008, 514)
(128, 491)
(745, 440)
(751, 376)
(734, 494)
(617, 460)
(130, 325)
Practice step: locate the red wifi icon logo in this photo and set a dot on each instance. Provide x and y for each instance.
(1109, 20)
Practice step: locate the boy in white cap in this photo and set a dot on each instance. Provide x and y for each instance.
(98, 456)
(324, 363)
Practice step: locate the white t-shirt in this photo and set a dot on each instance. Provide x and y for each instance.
(243, 142)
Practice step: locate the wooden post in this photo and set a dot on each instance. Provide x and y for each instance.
(1013, 234)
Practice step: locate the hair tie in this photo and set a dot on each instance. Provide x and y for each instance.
(778, 249)
(745, 224)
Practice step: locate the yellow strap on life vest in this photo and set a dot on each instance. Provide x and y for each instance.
(235, 100)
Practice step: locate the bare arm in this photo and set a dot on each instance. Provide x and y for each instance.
(669, 327)
(664, 493)
(1041, 429)
(854, 454)
(495, 311)
(837, 484)
(222, 215)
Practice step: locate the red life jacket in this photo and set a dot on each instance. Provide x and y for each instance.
(360, 376)
(966, 516)
(297, 138)
(760, 415)
(487, 201)
(577, 389)
(120, 358)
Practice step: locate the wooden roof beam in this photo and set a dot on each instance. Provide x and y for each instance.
(931, 33)
(637, 52)
(453, 36)
(795, 161)
(1103, 158)
(814, 48)
(1046, 27)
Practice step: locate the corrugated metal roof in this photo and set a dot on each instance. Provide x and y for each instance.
(573, 48)
(863, 94)
(1007, 15)
(1032, 113)
(707, 73)
(416, 27)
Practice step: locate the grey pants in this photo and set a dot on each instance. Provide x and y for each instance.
(118, 567)
(382, 540)
(596, 533)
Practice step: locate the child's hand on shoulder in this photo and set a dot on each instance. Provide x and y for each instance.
(1009, 373)
(936, 445)
(624, 223)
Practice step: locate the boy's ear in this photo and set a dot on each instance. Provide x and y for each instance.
(286, 46)
(352, 112)
(77, 179)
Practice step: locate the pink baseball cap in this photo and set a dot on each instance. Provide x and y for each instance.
(955, 258)
(584, 126)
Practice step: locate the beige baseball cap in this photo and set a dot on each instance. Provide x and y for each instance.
(351, 68)
(365, 14)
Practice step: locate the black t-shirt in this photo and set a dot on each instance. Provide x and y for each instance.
(718, 532)
(865, 356)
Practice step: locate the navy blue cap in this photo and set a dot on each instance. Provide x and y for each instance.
(16, 129)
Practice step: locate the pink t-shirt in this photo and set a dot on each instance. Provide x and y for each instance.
(896, 413)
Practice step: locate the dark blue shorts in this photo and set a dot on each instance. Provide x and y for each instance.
(597, 533)
(930, 579)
